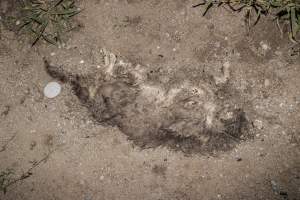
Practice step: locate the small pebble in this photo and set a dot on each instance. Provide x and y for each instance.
(32, 145)
(281, 105)
(226, 64)
(278, 53)
(52, 90)
(18, 22)
(267, 83)
(258, 124)
(238, 159)
(262, 154)
(81, 62)
(264, 46)
(52, 54)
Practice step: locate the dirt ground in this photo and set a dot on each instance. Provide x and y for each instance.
(157, 103)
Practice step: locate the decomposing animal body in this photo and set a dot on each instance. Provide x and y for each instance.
(186, 117)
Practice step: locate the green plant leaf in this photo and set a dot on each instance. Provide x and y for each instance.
(40, 33)
(49, 40)
(294, 24)
(208, 5)
(283, 10)
(47, 20)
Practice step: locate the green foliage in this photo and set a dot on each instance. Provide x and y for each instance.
(286, 10)
(46, 19)
(5, 179)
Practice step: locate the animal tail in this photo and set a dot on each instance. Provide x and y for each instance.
(66, 77)
(58, 72)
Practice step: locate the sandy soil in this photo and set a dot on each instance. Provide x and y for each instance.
(60, 149)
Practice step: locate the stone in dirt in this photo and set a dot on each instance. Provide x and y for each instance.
(52, 90)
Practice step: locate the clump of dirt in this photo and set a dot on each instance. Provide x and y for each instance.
(193, 117)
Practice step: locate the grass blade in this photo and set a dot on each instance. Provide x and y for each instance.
(40, 33)
(208, 5)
